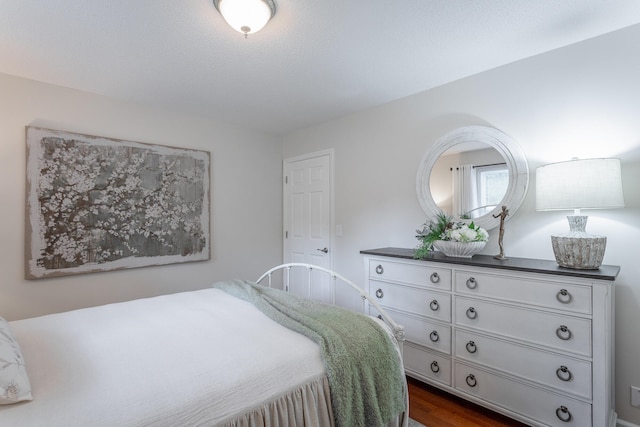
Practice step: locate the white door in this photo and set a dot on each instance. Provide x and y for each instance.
(308, 213)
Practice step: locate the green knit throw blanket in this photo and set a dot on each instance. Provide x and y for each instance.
(363, 367)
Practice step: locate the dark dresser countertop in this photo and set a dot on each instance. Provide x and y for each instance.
(605, 272)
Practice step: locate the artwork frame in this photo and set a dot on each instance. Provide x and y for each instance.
(99, 204)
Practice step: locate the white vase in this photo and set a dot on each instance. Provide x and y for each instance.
(459, 249)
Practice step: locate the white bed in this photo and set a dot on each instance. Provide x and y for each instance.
(201, 358)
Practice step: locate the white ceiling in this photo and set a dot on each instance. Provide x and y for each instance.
(315, 61)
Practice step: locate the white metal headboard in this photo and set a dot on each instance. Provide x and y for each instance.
(398, 330)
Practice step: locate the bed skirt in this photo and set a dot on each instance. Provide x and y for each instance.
(307, 405)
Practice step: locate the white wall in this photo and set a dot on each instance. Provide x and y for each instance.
(246, 203)
(582, 101)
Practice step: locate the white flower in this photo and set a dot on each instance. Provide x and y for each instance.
(462, 232)
(468, 234)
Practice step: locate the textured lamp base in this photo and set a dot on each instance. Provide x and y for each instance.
(582, 253)
(579, 249)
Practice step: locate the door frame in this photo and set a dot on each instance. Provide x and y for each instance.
(328, 152)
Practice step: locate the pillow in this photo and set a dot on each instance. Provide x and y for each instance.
(14, 383)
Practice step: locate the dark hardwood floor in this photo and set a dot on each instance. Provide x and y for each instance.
(436, 408)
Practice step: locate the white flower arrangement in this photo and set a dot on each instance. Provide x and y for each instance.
(463, 232)
(446, 229)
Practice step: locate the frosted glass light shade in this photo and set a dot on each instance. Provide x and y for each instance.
(246, 16)
(579, 184)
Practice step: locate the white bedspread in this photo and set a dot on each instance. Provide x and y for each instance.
(207, 355)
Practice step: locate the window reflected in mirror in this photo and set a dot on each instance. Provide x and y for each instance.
(492, 182)
(469, 181)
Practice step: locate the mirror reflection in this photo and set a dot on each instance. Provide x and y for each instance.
(480, 150)
(469, 180)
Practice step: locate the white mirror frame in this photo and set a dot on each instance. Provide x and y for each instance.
(505, 145)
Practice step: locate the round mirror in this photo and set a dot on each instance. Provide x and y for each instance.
(470, 173)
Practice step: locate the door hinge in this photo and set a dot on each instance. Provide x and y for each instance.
(286, 179)
(286, 234)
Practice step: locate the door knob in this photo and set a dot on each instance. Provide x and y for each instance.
(325, 250)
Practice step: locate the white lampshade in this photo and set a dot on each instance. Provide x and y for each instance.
(579, 184)
(246, 16)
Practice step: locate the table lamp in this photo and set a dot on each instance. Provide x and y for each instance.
(579, 184)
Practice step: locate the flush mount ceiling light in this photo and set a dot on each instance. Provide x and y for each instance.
(246, 16)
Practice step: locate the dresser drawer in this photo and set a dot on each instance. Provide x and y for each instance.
(557, 295)
(436, 336)
(565, 333)
(421, 301)
(547, 407)
(422, 275)
(427, 364)
(566, 374)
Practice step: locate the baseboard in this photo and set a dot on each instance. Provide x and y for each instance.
(622, 423)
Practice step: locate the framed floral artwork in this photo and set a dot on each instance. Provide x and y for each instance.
(98, 204)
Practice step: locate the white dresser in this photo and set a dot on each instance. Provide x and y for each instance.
(523, 337)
